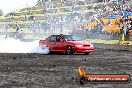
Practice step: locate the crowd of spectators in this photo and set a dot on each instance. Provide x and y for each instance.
(77, 18)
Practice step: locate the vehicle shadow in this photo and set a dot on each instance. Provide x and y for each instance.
(59, 53)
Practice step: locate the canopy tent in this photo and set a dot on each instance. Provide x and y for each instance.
(112, 28)
(113, 16)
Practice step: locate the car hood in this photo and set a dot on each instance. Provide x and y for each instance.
(79, 42)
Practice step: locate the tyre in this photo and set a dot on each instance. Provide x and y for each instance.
(49, 51)
(69, 50)
(46, 49)
(87, 53)
(82, 80)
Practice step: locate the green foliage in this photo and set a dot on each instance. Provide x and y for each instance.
(11, 14)
(1, 12)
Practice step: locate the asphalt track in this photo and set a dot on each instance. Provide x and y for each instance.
(58, 70)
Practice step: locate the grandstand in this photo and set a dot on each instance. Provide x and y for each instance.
(57, 16)
(40, 15)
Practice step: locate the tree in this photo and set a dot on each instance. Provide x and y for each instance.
(1, 12)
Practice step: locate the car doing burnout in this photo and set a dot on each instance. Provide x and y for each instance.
(68, 44)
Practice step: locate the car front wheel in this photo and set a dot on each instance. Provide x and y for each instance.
(69, 50)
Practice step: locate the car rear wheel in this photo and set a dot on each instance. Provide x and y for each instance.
(82, 80)
(46, 47)
(87, 53)
(69, 50)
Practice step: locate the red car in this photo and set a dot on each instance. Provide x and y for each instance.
(68, 44)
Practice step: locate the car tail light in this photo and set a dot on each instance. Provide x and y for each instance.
(41, 42)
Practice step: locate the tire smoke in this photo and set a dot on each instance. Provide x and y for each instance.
(11, 45)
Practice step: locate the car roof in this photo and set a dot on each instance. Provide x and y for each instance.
(56, 35)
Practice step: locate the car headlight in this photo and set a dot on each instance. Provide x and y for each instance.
(91, 45)
(79, 45)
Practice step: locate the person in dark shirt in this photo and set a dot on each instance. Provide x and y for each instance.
(61, 38)
(17, 26)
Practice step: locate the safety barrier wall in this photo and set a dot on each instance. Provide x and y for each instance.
(114, 47)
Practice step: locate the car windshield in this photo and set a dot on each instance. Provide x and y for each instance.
(71, 38)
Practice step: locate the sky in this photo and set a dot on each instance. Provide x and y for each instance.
(12, 5)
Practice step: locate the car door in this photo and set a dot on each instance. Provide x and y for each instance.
(51, 43)
(60, 45)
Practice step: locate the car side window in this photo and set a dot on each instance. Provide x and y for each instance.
(57, 38)
(53, 39)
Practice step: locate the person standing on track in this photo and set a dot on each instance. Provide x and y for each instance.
(121, 33)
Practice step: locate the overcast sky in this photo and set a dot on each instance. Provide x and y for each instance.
(12, 5)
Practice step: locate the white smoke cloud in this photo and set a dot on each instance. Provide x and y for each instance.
(12, 5)
(16, 46)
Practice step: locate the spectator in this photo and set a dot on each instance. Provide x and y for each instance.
(121, 35)
(26, 17)
(17, 26)
(32, 18)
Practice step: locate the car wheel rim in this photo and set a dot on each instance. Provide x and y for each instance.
(68, 50)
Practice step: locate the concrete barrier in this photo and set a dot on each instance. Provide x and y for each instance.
(114, 46)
